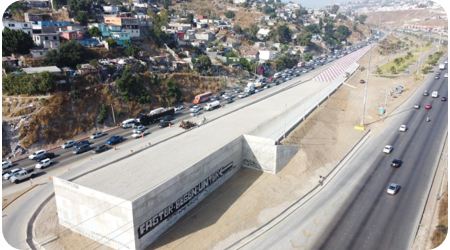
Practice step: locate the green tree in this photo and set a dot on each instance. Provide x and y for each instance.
(307, 57)
(304, 38)
(231, 54)
(393, 70)
(190, 18)
(284, 34)
(103, 114)
(15, 41)
(334, 9)
(237, 28)
(230, 14)
(253, 30)
(82, 17)
(344, 30)
(320, 24)
(173, 91)
(329, 27)
(166, 4)
(111, 42)
(362, 18)
(69, 54)
(204, 61)
(313, 28)
(95, 32)
(131, 50)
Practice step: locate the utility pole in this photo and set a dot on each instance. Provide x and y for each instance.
(285, 118)
(440, 36)
(367, 85)
(418, 62)
(114, 118)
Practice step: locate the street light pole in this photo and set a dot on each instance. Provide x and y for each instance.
(365, 91)
(418, 61)
(114, 118)
(440, 36)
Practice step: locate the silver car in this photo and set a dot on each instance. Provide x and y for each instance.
(68, 144)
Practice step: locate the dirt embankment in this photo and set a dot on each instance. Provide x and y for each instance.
(396, 19)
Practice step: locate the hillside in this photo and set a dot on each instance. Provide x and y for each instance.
(396, 19)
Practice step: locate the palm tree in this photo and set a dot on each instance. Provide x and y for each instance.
(401, 60)
(397, 61)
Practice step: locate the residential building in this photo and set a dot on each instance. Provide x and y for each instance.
(46, 40)
(16, 25)
(206, 36)
(240, 1)
(114, 32)
(113, 9)
(36, 70)
(253, 55)
(72, 35)
(87, 69)
(173, 27)
(39, 53)
(43, 4)
(33, 18)
(129, 25)
(10, 61)
(266, 55)
(54, 23)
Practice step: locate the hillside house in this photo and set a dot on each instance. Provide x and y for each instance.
(128, 25)
(16, 25)
(47, 40)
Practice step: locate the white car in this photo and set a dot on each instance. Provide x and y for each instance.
(435, 94)
(39, 152)
(196, 112)
(6, 164)
(139, 134)
(388, 149)
(393, 188)
(8, 175)
(195, 107)
(446, 75)
(97, 135)
(403, 128)
(139, 128)
(178, 108)
(44, 163)
(417, 106)
(68, 144)
(243, 95)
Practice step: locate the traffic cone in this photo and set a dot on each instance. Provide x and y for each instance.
(170, 125)
(115, 148)
(49, 178)
(142, 135)
(222, 105)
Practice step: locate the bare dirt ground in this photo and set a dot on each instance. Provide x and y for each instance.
(396, 19)
(251, 198)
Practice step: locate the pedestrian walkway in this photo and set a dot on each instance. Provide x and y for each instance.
(340, 66)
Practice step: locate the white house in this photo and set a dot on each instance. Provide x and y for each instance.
(16, 25)
(47, 40)
(266, 55)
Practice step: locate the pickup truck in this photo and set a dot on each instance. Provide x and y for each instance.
(22, 175)
(114, 139)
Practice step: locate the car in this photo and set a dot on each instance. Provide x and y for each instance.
(44, 156)
(178, 108)
(6, 164)
(68, 144)
(164, 124)
(258, 90)
(243, 95)
(139, 128)
(99, 149)
(81, 149)
(193, 108)
(139, 134)
(443, 98)
(196, 112)
(428, 106)
(167, 118)
(114, 139)
(267, 86)
(438, 73)
(425, 93)
(221, 93)
(212, 98)
(396, 163)
(388, 149)
(403, 128)
(435, 94)
(97, 135)
(288, 78)
(393, 188)
(417, 106)
(362, 81)
(446, 75)
(237, 90)
(436, 77)
(11, 173)
(44, 163)
(230, 100)
(81, 143)
(37, 153)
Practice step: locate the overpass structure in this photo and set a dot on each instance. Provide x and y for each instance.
(133, 200)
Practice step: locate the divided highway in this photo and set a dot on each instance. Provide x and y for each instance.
(354, 211)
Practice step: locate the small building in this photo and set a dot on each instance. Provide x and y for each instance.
(128, 25)
(72, 35)
(206, 36)
(10, 61)
(47, 40)
(40, 4)
(176, 27)
(266, 55)
(33, 18)
(112, 9)
(39, 53)
(87, 69)
(36, 70)
(253, 55)
(16, 25)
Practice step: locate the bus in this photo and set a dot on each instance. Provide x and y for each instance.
(202, 98)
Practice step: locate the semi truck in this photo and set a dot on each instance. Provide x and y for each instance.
(442, 66)
(212, 105)
(155, 116)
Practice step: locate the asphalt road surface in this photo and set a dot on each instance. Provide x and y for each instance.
(354, 211)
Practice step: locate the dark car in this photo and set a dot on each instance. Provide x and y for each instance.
(221, 93)
(114, 139)
(167, 118)
(81, 149)
(164, 124)
(190, 106)
(100, 149)
(436, 77)
(44, 156)
(444, 99)
(81, 143)
(396, 163)
(230, 100)
(425, 93)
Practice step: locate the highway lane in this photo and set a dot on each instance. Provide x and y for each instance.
(64, 157)
(353, 211)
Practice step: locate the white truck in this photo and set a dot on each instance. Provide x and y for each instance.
(212, 105)
(22, 175)
(442, 66)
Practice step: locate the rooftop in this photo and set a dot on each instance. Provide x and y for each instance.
(35, 70)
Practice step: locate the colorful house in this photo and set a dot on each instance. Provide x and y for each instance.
(72, 35)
